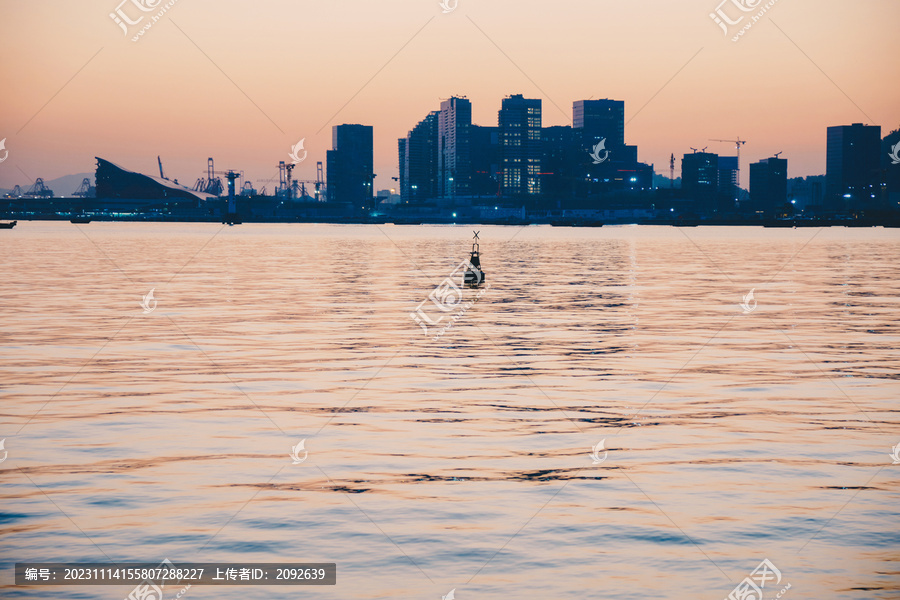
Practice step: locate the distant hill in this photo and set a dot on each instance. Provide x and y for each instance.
(61, 186)
(661, 181)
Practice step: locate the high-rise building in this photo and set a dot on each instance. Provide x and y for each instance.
(562, 163)
(403, 162)
(599, 119)
(454, 148)
(485, 160)
(419, 161)
(700, 179)
(852, 166)
(768, 184)
(728, 181)
(350, 165)
(890, 168)
(520, 145)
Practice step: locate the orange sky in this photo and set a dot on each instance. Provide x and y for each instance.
(242, 81)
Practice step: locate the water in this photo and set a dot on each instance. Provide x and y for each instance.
(462, 462)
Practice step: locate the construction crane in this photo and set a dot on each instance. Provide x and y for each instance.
(738, 143)
(672, 172)
(161, 175)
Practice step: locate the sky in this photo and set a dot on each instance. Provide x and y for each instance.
(243, 82)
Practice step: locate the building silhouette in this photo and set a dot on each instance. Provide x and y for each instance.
(700, 180)
(890, 169)
(768, 185)
(350, 166)
(455, 148)
(520, 161)
(419, 161)
(563, 162)
(728, 183)
(852, 167)
(486, 161)
(600, 119)
(519, 123)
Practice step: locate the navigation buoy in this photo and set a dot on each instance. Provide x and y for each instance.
(474, 275)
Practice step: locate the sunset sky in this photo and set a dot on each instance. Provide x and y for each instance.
(242, 82)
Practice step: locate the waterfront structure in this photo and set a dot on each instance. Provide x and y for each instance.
(350, 165)
(118, 183)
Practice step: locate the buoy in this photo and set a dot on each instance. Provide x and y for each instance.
(474, 275)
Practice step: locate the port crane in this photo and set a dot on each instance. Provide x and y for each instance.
(85, 190)
(212, 184)
(39, 190)
(291, 187)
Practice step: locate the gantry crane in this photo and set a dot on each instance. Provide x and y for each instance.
(293, 188)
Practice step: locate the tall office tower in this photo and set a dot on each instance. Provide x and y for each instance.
(454, 148)
(599, 119)
(520, 145)
(700, 179)
(419, 161)
(562, 163)
(768, 184)
(485, 160)
(350, 165)
(728, 182)
(852, 166)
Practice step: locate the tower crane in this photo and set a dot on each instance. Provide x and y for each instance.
(672, 172)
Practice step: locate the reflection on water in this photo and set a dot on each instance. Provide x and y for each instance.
(464, 462)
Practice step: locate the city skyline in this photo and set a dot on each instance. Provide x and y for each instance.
(186, 92)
